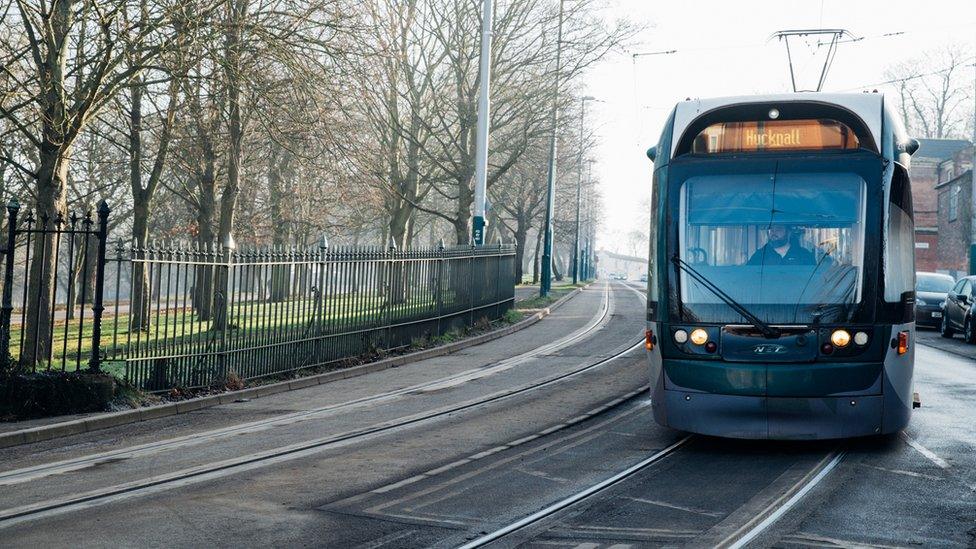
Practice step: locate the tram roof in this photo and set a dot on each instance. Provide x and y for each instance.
(867, 106)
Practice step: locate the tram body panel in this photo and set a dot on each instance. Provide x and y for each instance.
(777, 380)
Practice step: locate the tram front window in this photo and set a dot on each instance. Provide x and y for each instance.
(788, 247)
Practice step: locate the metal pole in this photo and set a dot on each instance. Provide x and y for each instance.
(579, 187)
(546, 283)
(98, 305)
(484, 110)
(8, 280)
(972, 189)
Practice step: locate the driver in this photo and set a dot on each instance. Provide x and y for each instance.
(782, 248)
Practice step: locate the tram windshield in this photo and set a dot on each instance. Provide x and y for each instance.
(789, 247)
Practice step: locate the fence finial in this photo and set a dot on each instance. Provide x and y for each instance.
(440, 245)
(324, 242)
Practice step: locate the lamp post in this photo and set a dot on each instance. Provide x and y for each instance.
(546, 283)
(972, 187)
(484, 109)
(579, 188)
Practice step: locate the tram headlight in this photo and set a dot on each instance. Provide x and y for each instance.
(861, 338)
(699, 336)
(840, 338)
(680, 336)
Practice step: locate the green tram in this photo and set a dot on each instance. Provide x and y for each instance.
(782, 261)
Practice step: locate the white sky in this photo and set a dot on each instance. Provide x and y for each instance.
(723, 50)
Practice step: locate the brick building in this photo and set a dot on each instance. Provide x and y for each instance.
(954, 202)
(934, 164)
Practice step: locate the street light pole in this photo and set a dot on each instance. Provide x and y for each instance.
(546, 283)
(972, 189)
(484, 110)
(579, 189)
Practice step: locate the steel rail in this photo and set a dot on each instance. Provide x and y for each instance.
(17, 476)
(575, 498)
(775, 510)
(202, 473)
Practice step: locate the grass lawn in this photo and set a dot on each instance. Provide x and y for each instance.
(177, 329)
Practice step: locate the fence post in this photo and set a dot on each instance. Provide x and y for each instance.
(222, 316)
(391, 250)
(471, 285)
(439, 286)
(8, 279)
(98, 305)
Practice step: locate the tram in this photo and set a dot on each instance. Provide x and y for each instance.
(782, 268)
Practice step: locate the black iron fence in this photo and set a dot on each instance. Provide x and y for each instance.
(52, 284)
(182, 315)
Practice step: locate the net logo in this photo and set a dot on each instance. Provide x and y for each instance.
(769, 349)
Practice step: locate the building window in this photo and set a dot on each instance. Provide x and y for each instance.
(954, 203)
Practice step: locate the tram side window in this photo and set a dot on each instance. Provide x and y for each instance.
(900, 240)
(652, 282)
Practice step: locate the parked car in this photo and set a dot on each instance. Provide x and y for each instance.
(643, 278)
(930, 291)
(957, 313)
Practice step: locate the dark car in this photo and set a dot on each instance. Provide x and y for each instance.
(957, 313)
(930, 291)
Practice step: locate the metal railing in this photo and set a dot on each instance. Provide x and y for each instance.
(204, 314)
(182, 315)
(60, 276)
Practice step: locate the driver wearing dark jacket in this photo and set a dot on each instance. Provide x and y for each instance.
(782, 249)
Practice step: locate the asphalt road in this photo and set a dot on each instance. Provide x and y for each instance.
(449, 479)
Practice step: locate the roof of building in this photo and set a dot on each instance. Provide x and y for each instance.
(940, 149)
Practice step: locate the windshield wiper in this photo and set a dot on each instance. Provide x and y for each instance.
(767, 330)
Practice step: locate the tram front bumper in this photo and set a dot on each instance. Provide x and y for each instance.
(761, 417)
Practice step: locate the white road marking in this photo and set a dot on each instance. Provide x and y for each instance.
(903, 472)
(925, 451)
(693, 510)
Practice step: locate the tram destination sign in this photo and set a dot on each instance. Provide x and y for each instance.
(775, 135)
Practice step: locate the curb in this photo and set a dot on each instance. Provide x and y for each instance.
(114, 419)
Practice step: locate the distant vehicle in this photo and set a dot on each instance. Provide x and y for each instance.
(957, 313)
(930, 292)
(781, 301)
(643, 278)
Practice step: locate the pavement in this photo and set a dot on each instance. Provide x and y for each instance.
(954, 345)
(447, 480)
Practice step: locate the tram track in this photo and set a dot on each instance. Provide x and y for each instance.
(218, 469)
(755, 526)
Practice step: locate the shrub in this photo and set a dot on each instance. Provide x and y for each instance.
(52, 393)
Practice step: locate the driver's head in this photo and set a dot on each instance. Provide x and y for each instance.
(779, 235)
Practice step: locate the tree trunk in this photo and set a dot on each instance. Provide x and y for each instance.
(535, 261)
(51, 201)
(521, 234)
(280, 274)
(52, 184)
(206, 211)
(139, 300)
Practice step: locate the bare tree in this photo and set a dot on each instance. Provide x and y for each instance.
(935, 103)
(72, 58)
